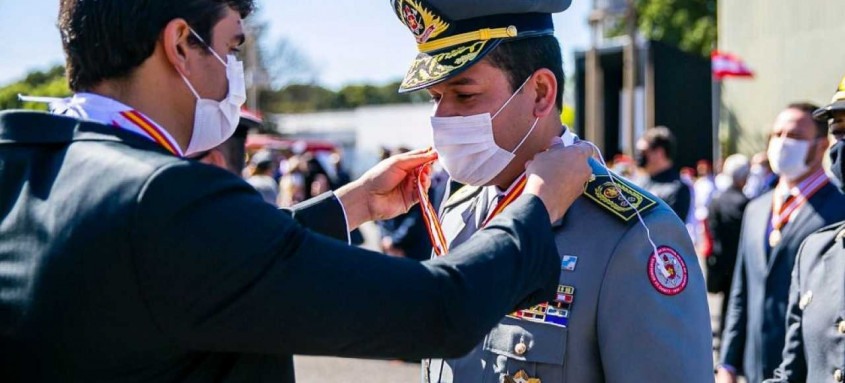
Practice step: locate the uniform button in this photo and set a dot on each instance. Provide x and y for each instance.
(520, 349)
(841, 327)
(837, 375)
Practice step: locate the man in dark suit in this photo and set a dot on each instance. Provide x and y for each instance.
(815, 324)
(122, 261)
(725, 222)
(774, 225)
(654, 155)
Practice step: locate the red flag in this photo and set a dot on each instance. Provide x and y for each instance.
(728, 65)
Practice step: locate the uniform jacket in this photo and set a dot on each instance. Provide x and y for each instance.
(754, 331)
(122, 263)
(815, 322)
(620, 327)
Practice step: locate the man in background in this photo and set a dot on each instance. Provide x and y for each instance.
(654, 156)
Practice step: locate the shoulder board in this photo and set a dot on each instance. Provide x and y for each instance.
(617, 195)
(463, 194)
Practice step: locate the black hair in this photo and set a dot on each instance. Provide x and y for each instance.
(108, 39)
(521, 58)
(661, 137)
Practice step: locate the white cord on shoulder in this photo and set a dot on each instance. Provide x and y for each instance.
(600, 158)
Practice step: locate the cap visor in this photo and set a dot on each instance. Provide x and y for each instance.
(434, 67)
(825, 112)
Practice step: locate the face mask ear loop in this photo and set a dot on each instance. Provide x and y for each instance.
(600, 158)
(225, 64)
(526, 135)
(191, 87)
(511, 98)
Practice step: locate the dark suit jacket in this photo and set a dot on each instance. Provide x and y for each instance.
(725, 223)
(815, 333)
(755, 328)
(121, 263)
(669, 187)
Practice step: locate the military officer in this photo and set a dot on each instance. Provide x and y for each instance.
(121, 261)
(814, 349)
(630, 306)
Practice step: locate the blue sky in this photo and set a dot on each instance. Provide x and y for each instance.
(348, 41)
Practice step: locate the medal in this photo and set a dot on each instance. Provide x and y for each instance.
(774, 238)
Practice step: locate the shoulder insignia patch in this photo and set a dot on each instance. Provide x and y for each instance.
(667, 271)
(463, 194)
(616, 194)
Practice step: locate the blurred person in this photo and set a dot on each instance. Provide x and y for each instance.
(703, 190)
(320, 184)
(773, 227)
(341, 175)
(724, 223)
(624, 166)
(654, 156)
(761, 178)
(262, 166)
(405, 235)
(124, 261)
(498, 105)
(815, 324)
(292, 183)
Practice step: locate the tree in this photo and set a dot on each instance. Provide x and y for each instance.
(688, 24)
(49, 83)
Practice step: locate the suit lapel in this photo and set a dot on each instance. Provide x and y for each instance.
(760, 237)
(796, 229)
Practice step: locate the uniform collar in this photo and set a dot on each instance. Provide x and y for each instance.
(93, 107)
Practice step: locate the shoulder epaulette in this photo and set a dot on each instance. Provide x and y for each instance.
(617, 195)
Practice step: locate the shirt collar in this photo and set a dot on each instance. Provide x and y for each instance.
(107, 111)
(803, 187)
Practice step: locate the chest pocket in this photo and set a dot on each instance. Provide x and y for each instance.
(519, 345)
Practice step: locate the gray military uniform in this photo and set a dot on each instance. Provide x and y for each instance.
(618, 326)
(815, 318)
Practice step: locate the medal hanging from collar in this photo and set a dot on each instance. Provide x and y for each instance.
(432, 223)
(781, 214)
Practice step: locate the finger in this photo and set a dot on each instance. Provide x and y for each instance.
(411, 160)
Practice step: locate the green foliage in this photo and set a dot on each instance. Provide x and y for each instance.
(687, 24)
(300, 98)
(49, 83)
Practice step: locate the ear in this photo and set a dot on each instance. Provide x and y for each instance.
(174, 40)
(545, 87)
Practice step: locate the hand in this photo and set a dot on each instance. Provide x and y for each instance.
(386, 190)
(557, 176)
(724, 376)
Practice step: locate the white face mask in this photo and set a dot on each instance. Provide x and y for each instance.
(788, 157)
(468, 149)
(216, 121)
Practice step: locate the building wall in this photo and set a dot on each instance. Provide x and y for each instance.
(795, 49)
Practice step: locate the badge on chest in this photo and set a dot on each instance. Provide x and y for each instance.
(554, 313)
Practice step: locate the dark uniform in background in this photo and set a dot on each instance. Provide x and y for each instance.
(621, 313)
(814, 350)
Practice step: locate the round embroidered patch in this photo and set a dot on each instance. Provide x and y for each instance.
(667, 271)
